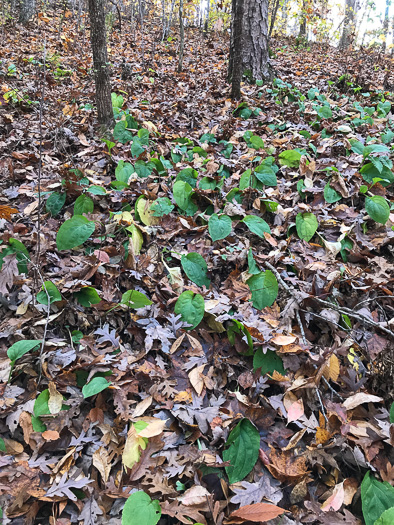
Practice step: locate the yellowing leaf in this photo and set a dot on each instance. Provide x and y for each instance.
(132, 449)
(145, 213)
(125, 217)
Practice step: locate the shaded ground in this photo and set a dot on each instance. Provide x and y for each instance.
(312, 371)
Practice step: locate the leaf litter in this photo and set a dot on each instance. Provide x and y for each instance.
(286, 326)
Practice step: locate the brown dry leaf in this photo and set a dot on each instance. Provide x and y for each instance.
(155, 427)
(283, 340)
(13, 447)
(55, 400)
(6, 212)
(196, 379)
(333, 368)
(360, 398)
(322, 436)
(336, 500)
(258, 512)
(102, 462)
(286, 466)
(142, 406)
(194, 496)
(8, 271)
(50, 435)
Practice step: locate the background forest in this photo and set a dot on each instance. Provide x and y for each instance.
(196, 262)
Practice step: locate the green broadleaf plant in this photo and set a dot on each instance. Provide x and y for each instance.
(95, 386)
(140, 509)
(243, 450)
(306, 225)
(376, 498)
(74, 232)
(264, 288)
(219, 226)
(191, 307)
(195, 268)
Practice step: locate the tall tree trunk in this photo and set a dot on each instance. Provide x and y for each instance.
(302, 32)
(348, 25)
(207, 16)
(181, 35)
(249, 43)
(255, 55)
(273, 16)
(235, 63)
(386, 25)
(98, 37)
(28, 8)
(285, 15)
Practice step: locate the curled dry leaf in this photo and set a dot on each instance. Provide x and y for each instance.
(360, 398)
(258, 512)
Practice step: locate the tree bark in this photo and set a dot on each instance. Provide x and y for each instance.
(235, 64)
(273, 16)
(255, 55)
(348, 25)
(302, 32)
(182, 36)
(98, 38)
(27, 10)
(386, 25)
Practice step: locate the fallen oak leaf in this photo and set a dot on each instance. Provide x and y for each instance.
(258, 512)
(6, 212)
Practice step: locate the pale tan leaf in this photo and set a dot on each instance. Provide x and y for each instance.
(101, 461)
(55, 400)
(142, 406)
(360, 398)
(196, 379)
(194, 496)
(335, 501)
(155, 427)
(282, 340)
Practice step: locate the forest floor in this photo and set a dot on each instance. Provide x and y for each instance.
(275, 212)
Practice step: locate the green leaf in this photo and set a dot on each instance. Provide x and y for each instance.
(95, 386)
(252, 266)
(268, 362)
(331, 195)
(195, 268)
(143, 135)
(219, 226)
(96, 190)
(136, 148)
(121, 134)
(2, 445)
(55, 203)
(140, 509)
(74, 232)
(123, 171)
(377, 208)
(134, 299)
(392, 413)
(256, 225)
(22, 255)
(143, 169)
(191, 308)
(83, 204)
(324, 112)
(21, 348)
(306, 225)
(387, 518)
(264, 288)
(117, 100)
(290, 158)
(256, 142)
(182, 192)
(243, 451)
(188, 175)
(51, 290)
(87, 296)
(376, 497)
(41, 407)
(162, 206)
(266, 175)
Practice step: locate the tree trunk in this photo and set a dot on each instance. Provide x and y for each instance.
(302, 32)
(207, 16)
(273, 16)
(348, 25)
(235, 63)
(28, 8)
(255, 55)
(386, 25)
(98, 37)
(181, 35)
